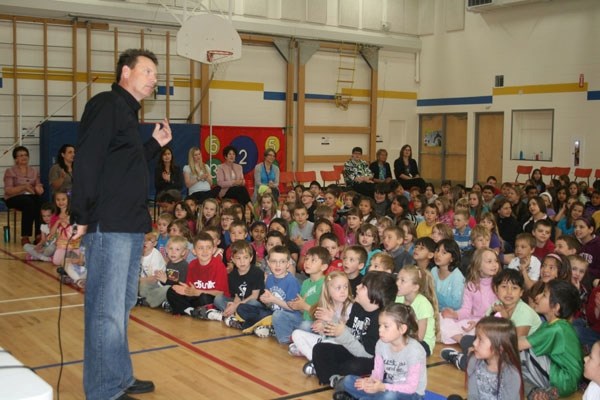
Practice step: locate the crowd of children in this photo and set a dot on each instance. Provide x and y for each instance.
(366, 287)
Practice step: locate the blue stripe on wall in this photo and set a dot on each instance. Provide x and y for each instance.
(273, 95)
(593, 95)
(280, 96)
(163, 90)
(455, 101)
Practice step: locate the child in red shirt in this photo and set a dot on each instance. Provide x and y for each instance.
(206, 278)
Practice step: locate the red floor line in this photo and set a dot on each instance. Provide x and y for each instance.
(180, 342)
(204, 354)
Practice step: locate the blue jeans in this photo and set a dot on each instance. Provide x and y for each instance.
(221, 301)
(587, 336)
(349, 388)
(284, 323)
(113, 263)
(251, 313)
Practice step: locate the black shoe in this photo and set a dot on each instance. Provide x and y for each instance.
(342, 396)
(125, 396)
(140, 386)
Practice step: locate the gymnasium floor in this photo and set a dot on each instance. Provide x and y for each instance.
(186, 358)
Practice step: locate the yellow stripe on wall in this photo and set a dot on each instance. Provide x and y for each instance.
(382, 94)
(539, 89)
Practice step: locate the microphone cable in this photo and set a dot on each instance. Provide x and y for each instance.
(62, 273)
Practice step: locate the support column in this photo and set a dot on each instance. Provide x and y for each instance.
(305, 52)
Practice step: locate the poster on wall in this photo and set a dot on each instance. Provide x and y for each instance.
(433, 139)
(250, 143)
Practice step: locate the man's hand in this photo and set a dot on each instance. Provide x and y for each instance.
(162, 134)
(81, 230)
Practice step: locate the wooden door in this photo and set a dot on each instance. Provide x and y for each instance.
(430, 147)
(443, 147)
(489, 136)
(455, 148)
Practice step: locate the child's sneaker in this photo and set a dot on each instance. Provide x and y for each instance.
(293, 350)
(266, 321)
(200, 312)
(550, 393)
(214, 315)
(264, 331)
(233, 322)
(309, 369)
(334, 380)
(452, 356)
(45, 258)
(167, 307)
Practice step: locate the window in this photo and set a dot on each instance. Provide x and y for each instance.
(531, 136)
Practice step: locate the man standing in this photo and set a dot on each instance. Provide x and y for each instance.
(109, 207)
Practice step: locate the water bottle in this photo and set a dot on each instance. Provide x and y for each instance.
(521, 155)
(6, 234)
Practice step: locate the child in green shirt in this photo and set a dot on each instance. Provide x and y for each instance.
(552, 362)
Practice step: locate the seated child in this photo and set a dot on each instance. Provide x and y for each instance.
(441, 231)
(591, 370)
(567, 245)
(245, 283)
(333, 306)
(353, 259)
(542, 230)
(369, 239)
(415, 288)
(400, 362)
(206, 279)
(154, 289)
(352, 345)
(393, 239)
(152, 262)
(423, 253)
(509, 286)
(480, 239)
(298, 317)
(331, 242)
(280, 287)
(382, 262)
(449, 281)
(237, 231)
(44, 250)
(551, 356)
(462, 231)
(478, 296)
(162, 227)
(431, 215)
(524, 261)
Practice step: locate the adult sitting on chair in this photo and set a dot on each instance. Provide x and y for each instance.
(197, 178)
(357, 174)
(230, 177)
(407, 171)
(61, 173)
(266, 174)
(23, 190)
(167, 174)
(382, 173)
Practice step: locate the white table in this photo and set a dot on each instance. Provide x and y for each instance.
(20, 383)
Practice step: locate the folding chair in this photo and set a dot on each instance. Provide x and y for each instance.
(583, 173)
(523, 169)
(305, 176)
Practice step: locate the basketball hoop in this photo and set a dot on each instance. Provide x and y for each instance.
(216, 55)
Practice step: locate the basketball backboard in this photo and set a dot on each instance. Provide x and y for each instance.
(208, 38)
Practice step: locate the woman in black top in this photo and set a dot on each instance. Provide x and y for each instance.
(167, 175)
(406, 170)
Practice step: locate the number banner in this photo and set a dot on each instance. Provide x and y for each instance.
(250, 143)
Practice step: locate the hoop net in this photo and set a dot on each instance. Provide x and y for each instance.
(216, 55)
